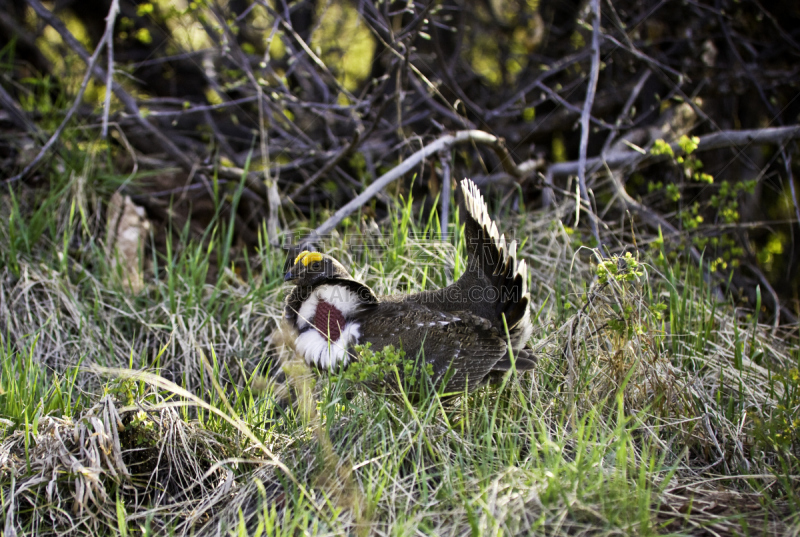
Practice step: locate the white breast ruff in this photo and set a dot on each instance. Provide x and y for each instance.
(316, 348)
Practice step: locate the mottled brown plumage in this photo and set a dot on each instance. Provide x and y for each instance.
(462, 332)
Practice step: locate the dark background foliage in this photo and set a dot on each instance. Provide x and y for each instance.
(317, 98)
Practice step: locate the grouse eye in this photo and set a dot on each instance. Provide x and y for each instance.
(316, 265)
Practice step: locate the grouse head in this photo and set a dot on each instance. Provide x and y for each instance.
(313, 268)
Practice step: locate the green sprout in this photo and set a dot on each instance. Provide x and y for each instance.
(624, 268)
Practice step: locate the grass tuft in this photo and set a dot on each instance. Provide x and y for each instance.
(656, 406)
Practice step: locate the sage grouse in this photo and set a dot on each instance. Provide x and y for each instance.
(457, 332)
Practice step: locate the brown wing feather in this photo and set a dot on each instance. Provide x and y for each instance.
(460, 346)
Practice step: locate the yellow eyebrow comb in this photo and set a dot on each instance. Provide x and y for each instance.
(307, 257)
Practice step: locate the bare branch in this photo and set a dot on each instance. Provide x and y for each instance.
(718, 140)
(108, 39)
(441, 144)
(586, 114)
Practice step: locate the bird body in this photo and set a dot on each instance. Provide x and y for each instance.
(464, 334)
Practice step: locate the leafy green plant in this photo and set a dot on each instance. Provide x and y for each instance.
(700, 217)
(623, 268)
(385, 364)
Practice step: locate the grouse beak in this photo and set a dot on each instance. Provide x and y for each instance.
(289, 276)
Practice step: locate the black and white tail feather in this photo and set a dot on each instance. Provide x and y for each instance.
(492, 264)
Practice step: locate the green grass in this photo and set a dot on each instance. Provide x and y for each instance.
(656, 408)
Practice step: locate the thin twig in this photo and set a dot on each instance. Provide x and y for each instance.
(787, 162)
(287, 27)
(127, 100)
(273, 196)
(586, 114)
(347, 151)
(655, 64)
(90, 62)
(551, 70)
(17, 114)
(108, 39)
(637, 89)
(195, 109)
(571, 107)
(445, 159)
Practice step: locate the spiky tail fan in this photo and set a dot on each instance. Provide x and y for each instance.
(495, 281)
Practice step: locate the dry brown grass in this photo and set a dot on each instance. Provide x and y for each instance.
(634, 422)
